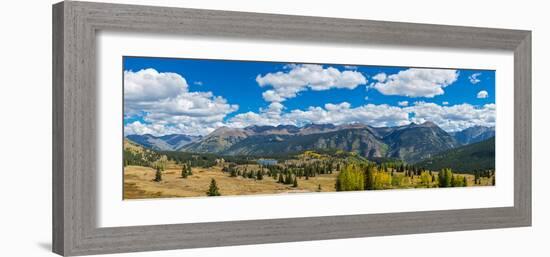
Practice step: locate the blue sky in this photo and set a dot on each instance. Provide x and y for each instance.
(194, 96)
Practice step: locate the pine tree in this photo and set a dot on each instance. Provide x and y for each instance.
(158, 175)
(213, 190)
(295, 183)
(259, 175)
(288, 179)
(184, 172)
(189, 170)
(233, 172)
(465, 181)
(280, 179)
(319, 188)
(445, 178)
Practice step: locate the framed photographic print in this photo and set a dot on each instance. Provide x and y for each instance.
(183, 128)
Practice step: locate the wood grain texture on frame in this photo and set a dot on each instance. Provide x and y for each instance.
(75, 24)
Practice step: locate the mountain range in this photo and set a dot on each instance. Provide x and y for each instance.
(474, 134)
(411, 143)
(465, 159)
(172, 142)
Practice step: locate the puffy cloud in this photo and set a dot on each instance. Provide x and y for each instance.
(415, 82)
(342, 113)
(380, 77)
(303, 77)
(272, 96)
(453, 118)
(371, 114)
(150, 85)
(139, 128)
(170, 108)
(267, 116)
(445, 103)
(482, 94)
(449, 118)
(193, 104)
(474, 78)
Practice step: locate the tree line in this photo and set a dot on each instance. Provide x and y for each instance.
(369, 176)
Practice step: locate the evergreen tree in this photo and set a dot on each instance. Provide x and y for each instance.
(213, 190)
(233, 172)
(280, 179)
(158, 175)
(184, 172)
(465, 181)
(288, 179)
(319, 188)
(189, 170)
(445, 178)
(295, 183)
(259, 175)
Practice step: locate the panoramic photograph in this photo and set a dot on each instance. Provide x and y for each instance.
(203, 128)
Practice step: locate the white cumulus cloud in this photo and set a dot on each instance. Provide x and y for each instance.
(150, 85)
(340, 113)
(415, 82)
(453, 118)
(474, 78)
(482, 94)
(449, 118)
(403, 103)
(304, 77)
(165, 105)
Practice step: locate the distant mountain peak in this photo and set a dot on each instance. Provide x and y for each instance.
(429, 124)
(474, 134)
(227, 131)
(171, 142)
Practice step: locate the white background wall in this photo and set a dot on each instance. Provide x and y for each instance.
(25, 128)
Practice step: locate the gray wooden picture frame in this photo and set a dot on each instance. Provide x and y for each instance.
(75, 25)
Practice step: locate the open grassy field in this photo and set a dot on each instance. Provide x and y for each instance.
(139, 184)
